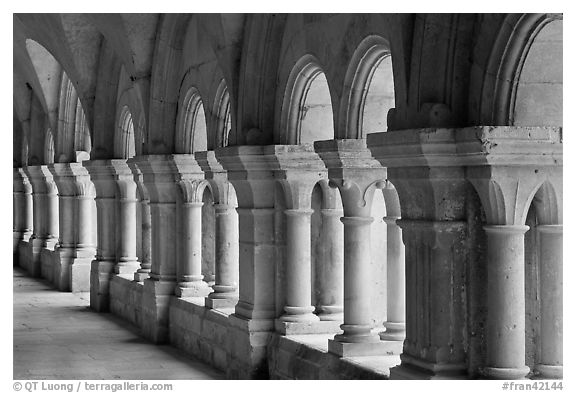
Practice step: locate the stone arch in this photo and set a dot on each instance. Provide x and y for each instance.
(369, 55)
(546, 199)
(73, 132)
(49, 147)
(222, 115)
(306, 81)
(124, 141)
(498, 67)
(191, 132)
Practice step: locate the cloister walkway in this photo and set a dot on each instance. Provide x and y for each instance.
(57, 336)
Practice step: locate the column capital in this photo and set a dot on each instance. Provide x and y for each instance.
(506, 165)
(353, 170)
(72, 179)
(161, 174)
(110, 176)
(20, 181)
(254, 171)
(41, 179)
(356, 221)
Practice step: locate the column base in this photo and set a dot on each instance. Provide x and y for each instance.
(192, 289)
(100, 276)
(506, 373)
(331, 313)
(228, 302)
(377, 348)
(287, 328)
(544, 371)
(140, 275)
(418, 369)
(126, 269)
(299, 314)
(155, 310)
(395, 331)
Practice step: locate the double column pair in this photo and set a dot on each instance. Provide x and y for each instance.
(117, 227)
(190, 278)
(209, 175)
(506, 302)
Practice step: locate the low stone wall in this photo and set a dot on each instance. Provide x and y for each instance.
(23, 254)
(290, 359)
(224, 342)
(47, 264)
(126, 299)
(199, 331)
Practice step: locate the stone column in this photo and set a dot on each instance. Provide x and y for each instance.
(550, 364)
(38, 238)
(190, 278)
(226, 286)
(144, 271)
(85, 250)
(395, 283)
(357, 327)
(22, 213)
(126, 261)
(52, 224)
(61, 273)
(331, 292)
(506, 302)
(298, 267)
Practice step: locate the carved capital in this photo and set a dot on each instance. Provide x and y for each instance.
(192, 190)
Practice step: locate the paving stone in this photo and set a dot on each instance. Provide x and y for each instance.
(56, 336)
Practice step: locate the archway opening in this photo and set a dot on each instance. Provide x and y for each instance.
(223, 115)
(538, 100)
(315, 112)
(192, 132)
(49, 148)
(379, 97)
(125, 145)
(306, 114)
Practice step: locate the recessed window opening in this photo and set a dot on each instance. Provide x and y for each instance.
(195, 135)
(315, 117)
(378, 97)
(49, 148)
(125, 146)
(224, 118)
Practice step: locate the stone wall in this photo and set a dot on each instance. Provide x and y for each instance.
(126, 299)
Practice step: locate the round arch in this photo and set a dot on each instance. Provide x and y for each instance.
(49, 147)
(223, 116)
(306, 113)
(191, 132)
(124, 142)
(369, 89)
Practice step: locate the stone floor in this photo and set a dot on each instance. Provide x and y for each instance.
(57, 336)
